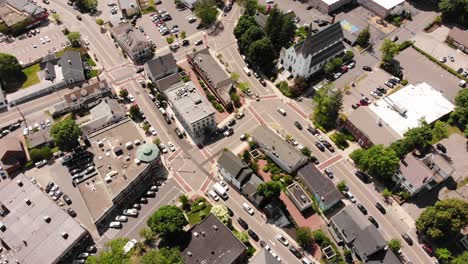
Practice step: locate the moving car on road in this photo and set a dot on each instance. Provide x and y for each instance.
(247, 208)
(380, 208)
(281, 239)
(242, 223)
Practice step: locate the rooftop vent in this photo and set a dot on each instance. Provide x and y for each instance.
(203, 234)
(195, 234)
(20, 183)
(64, 235)
(27, 201)
(47, 219)
(189, 253)
(215, 227)
(69, 61)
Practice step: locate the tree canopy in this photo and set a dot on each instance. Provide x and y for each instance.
(87, 4)
(260, 53)
(394, 245)
(304, 237)
(251, 35)
(461, 259)
(9, 67)
(443, 220)
(163, 256)
(206, 10)
(168, 221)
(65, 134)
(444, 255)
(250, 6)
(243, 24)
(363, 37)
(329, 102)
(113, 253)
(455, 10)
(221, 211)
(74, 38)
(389, 50)
(269, 190)
(280, 28)
(134, 111)
(460, 114)
(377, 161)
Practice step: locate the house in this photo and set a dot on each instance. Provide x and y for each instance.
(310, 55)
(416, 174)
(458, 38)
(233, 169)
(276, 148)
(192, 110)
(322, 188)
(299, 196)
(212, 242)
(12, 154)
(34, 228)
(383, 8)
(104, 114)
(167, 82)
(17, 15)
(275, 214)
(72, 67)
(249, 190)
(160, 67)
(213, 75)
(328, 6)
(133, 42)
(129, 8)
(264, 257)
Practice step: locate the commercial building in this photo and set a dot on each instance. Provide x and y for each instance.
(322, 188)
(18, 15)
(328, 6)
(458, 38)
(3, 102)
(160, 67)
(276, 148)
(383, 8)
(34, 228)
(212, 242)
(310, 55)
(417, 174)
(213, 75)
(132, 42)
(104, 114)
(12, 154)
(129, 8)
(192, 110)
(299, 197)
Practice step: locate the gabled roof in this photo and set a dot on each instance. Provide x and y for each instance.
(321, 41)
(318, 184)
(459, 35)
(350, 222)
(167, 82)
(71, 62)
(234, 165)
(264, 257)
(369, 241)
(129, 38)
(162, 65)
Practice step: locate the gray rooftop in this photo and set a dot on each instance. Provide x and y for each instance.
(350, 222)
(233, 164)
(369, 241)
(189, 102)
(28, 236)
(71, 62)
(263, 257)
(285, 152)
(104, 114)
(162, 65)
(249, 189)
(26, 6)
(321, 44)
(367, 122)
(130, 38)
(212, 242)
(299, 196)
(317, 183)
(167, 82)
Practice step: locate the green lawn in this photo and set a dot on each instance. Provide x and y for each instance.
(454, 130)
(31, 75)
(60, 53)
(196, 217)
(90, 61)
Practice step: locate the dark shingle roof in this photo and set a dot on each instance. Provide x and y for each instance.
(167, 82)
(70, 62)
(369, 241)
(162, 64)
(321, 41)
(234, 165)
(318, 184)
(264, 257)
(350, 222)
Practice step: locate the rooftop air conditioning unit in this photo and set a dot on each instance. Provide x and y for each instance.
(64, 235)
(47, 219)
(27, 201)
(215, 227)
(20, 183)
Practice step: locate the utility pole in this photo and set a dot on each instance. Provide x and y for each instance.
(24, 119)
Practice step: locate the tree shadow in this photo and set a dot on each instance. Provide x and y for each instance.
(15, 84)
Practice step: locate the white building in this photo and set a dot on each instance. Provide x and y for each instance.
(233, 169)
(328, 6)
(132, 42)
(193, 111)
(129, 8)
(190, 3)
(309, 56)
(383, 8)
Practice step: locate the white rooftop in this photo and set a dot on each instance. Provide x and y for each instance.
(330, 2)
(420, 101)
(388, 4)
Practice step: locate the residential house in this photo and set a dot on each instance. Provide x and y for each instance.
(459, 38)
(167, 82)
(321, 188)
(12, 154)
(264, 257)
(106, 113)
(213, 75)
(310, 55)
(417, 174)
(233, 169)
(17, 15)
(249, 190)
(212, 242)
(190, 3)
(277, 149)
(3, 102)
(132, 42)
(72, 67)
(275, 214)
(129, 8)
(328, 6)
(383, 8)
(160, 67)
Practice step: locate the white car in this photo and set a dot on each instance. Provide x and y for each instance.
(152, 131)
(192, 19)
(283, 240)
(40, 163)
(247, 208)
(174, 30)
(86, 42)
(42, 40)
(47, 38)
(171, 146)
(350, 196)
(121, 218)
(163, 148)
(34, 45)
(294, 142)
(131, 98)
(270, 1)
(25, 131)
(48, 122)
(375, 95)
(319, 137)
(131, 212)
(224, 184)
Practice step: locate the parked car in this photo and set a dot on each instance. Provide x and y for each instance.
(361, 175)
(298, 125)
(150, 194)
(71, 212)
(91, 249)
(365, 101)
(295, 251)
(242, 223)
(407, 238)
(228, 132)
(329, 173)
(40, 163)
(389, 84)
(231, 122)
(320, 146)
(372, 220)
(67, 199)
(247, 208)
(282, 240)
(350, 196)
(312, 130)
(143, 200)
(131, 212)
(137, 206)
(83, 255)
(441, 147)
(380, 208)
(366, 68)
(428, 249)
(362, 208)
(328, 145)
(253, 235)
(121, 218)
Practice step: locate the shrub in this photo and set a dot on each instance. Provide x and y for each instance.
(284, 88)
(170, 40)
(321, 238)
(186, 79)
(340, 140)
(404, 82)
(405, 44)
(99, 21)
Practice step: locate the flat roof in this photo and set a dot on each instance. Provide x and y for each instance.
(30, 238)
(191, 105)
(302, 200)
(388, 4)
(421, 102)
(330, 2)
(98, 193)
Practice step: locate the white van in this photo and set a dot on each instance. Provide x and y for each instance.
(247, 71)
(306, 260)
(281, 111)
(213, 195)
(163, 112)
(220, 190)
(115, 225)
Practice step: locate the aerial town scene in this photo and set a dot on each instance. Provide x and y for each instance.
(233, 131)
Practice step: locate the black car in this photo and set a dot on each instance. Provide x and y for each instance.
(441, 148)
(298, 125)
(242, 223)
(232, 122)
(140, 69)
(355, 106)
(372, 220)
(262, 81)
(67, 199)
(49, 186)
(312, 130)
(382, 90)
(407, 238)
(253, 235)
(361, 175)
(185, 42)
(295, 252)
(380, 208)
(179, 134)
(362, 208)
(328, 146)
(143, 200)
(314, 159)
(78, 17)
(366, 68)
(230, 212)
(71, 212)
(460, 70)
(91, 249)
(319, 146)
(168, 120)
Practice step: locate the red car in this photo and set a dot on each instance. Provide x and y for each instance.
(428, 249)
(344, 68)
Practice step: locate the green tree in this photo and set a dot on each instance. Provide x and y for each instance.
(57, 18)
(246, 157)
(329, 102)
(146, 127)
(148, 235)
(113, 253)
(74, 38)
(65, 134)
(9, 67)
(37, 154)
(306, 152)
(260, 53)
(242, 236)
(157, 141)
(419, 137)
(461, 259)
(87, 4)
(363, 37)
(162, 256)
(341, 186)
(221, 211)
(123, 93)
(299, 86)
(444, 255)
(386, 193)
(377, 161)
(235, 99)
(443, 220)
(170, 40)
(389, 50)
(99, 21)
(243, 24)
(455, 10)
(206, 10)
(183, 35)
(134, 111)
(235, 76)
(251, 35)
(250, 7)
(280, 28)
(304, 237)
(184, 200)
(168, 222)
(287, 33)
(460, 114)
(394, 245)
(329, 67)
(439, 131)
(269, 190)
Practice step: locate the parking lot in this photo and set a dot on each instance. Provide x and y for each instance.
(49, 38)
(300, 9)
